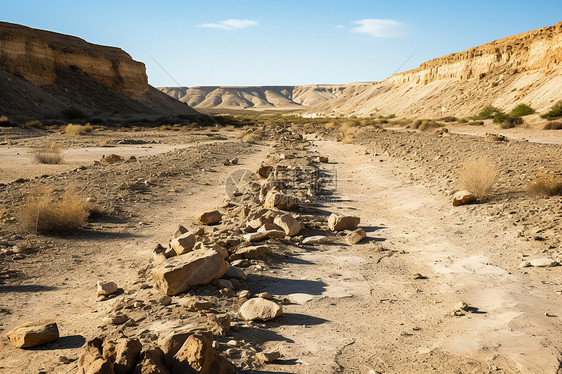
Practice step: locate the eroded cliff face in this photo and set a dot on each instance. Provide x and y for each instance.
(37, 56)
(522, 68)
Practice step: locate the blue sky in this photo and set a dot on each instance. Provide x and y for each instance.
(287, 42)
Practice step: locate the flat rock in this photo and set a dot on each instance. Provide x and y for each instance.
(255, 236)
(463, 197)
(543, 262)
(194, 304)
(260, 309)
(32, 334)
(340, 223)
(317, 239)
(267, 357)
(278, 200)
(178, 274)
(209, 218)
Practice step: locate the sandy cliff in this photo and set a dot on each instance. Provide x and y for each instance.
(521, 68)
(43, 73)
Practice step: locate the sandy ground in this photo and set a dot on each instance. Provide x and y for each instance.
(355, 309)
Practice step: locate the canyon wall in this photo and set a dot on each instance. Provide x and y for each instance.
(43, 73)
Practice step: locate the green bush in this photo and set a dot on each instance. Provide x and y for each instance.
(521, 110)
(500, 117)
(554, 112)
(487, 112)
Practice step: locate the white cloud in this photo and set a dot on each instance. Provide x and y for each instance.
(231, 24)
(380, 28)
(340, 27)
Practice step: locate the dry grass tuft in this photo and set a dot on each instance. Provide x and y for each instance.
(478, 177)
(43, 214)
(251, 137)
(75, 130)
(553, 126)
(546, 186)
(2, 211)
(49, 155)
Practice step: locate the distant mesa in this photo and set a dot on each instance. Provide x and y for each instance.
(43, 73)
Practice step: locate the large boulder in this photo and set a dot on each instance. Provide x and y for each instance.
(183, 243)
(463, 197)
(209, 218)
(124, 355)
(288, 223)
(178, 274)
(32, 334)
(171, 342)
(340, 223)
(260, 309)
(197, 355)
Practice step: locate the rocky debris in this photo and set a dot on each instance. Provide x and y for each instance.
(151, 362)
(235, 272)
(543, 262)
(251, 252)
(183, 244)
(91, 359)
(255, 236)
(195, 304)
(209, 218)
(460, 309)
(124, 354)
(260, 309)
(219, 324)
(264, 171)
(278, 200)
(170, 343)
(115, 319)
(106, 288)
(340, 223)
(288, 223)
(267, 357)
(32, 334)
(164, 300)
(179, 231)
(197, 355)
(317, 239)
(111, 159)
(494, 138)
(178, 274)
(463, 197)
(356, 236)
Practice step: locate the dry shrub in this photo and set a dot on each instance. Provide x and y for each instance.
(2, 211)
(553, 126)
(112, 159)
(75, 130)
(478, 177)
(49, 155)
(546, 186)
(105, 143)
(251, 137)
(347, 133)
(427, 125)
(329, 125)
(4, 119)
(44, 214)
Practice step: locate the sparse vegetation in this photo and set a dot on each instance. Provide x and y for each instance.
(511, 122)
(521, 110)
(43, 214)
(500, 117)
(478, 177)
(426, 125)
(36, 124)
(546, 186)
(487, 112)
(75, 130)
(554, 112)
(475, 123)
(553, 126)
(49, 155)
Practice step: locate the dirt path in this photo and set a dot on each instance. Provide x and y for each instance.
(65, 288)
(359, 310)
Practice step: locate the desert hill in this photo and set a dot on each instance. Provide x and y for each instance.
(43, 73)
(524, 68)
(256, 98)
